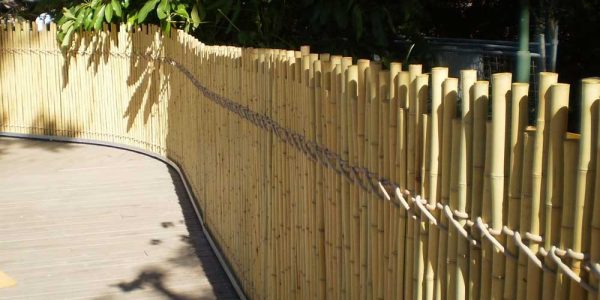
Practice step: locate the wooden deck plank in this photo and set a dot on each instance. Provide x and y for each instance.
(90, 222)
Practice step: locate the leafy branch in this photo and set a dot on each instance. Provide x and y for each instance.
(92, 14)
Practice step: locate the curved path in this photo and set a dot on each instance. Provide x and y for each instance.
(91, 222)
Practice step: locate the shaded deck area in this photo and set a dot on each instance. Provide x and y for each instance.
(92, 222)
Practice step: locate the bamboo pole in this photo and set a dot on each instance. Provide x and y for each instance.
(344, 193)
(501, 84)
(590, 94)
(453, 203)
(480, 109)
(413, 128)
(486, 207)
(450, 95)
(371, 159)
(395, 277)
(420, 228)
(403, 264)
(422, 241)
(467, 85)
(518, 115)
(361, 143)
(558, 105)
(405, 224)
(352, 99)
(525, 209)
(438, 75)
(538, 188)
(402, 146)
(595, 225)
(383, 171)
(332, 89)
(423, 102)
(570, 150)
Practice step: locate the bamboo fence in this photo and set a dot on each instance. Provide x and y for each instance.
(324, 177)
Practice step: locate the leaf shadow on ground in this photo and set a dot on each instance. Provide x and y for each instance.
(193, 251)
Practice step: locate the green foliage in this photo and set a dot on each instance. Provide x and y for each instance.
(357, 28)
(92, 14)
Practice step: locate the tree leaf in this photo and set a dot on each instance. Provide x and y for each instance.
(99, 17)
(80, 18)
(67, 38)
(132, 19)
(66, 25)
(163, 9)
(145, 10)
(88, 21)
(161, 13)
(108, 12)
(67, 13)
(195, 16)
(182, 11)
(116, 6)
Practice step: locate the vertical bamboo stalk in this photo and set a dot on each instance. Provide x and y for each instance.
(361, 151)
(372, 160)
(383, 171)
(590, 95)
(467, 84)
(424, 103)
(402, 145)
(453, 202)
(558, 105)
(395, 276)
(539, 172)
(518, 122)
(450, 95)
(420, 229)
(486, 208)
(438, 75)
(342, 190)
(501, 83)
(404, 231)
(413, 130)
(394, 94)
(423, 145)
(352, 98)
(331, 92)
(405, 224)
(480, 109)
(525, 209)
(570, 156)
(595, 226)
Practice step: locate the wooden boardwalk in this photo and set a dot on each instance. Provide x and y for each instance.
(91, 222)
